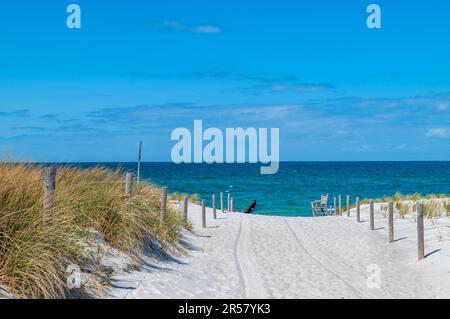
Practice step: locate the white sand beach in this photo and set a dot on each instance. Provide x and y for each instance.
(254, 256)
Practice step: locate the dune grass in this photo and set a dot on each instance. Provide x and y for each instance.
(435, 205)
(179, 197)
(34, 256)
(447, 207)
(398, 197)
(402, 208)
(431, 209)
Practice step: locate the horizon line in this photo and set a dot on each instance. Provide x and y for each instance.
(258, 163)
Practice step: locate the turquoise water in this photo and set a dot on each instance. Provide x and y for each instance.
(297, 183)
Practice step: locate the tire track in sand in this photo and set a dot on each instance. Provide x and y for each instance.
(317, 261)
(336, 258)
(246, 260)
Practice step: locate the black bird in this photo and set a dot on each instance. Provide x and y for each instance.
(249, 209)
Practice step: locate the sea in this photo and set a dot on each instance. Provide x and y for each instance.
(291, 190)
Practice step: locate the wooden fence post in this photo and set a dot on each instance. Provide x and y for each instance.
(203, 214)
(340, 204)
(348, 205)
(372, 220)
(420, 233)
(128, 184)
(391, 222)
(185, 208)
(335, 213)
(49, 193)
(358, 210)
(221, 202)
(214, 206)
(163, 204)
(229, 202)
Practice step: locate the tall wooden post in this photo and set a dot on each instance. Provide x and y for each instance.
(340, 205)
(348, 205)
(420, 233)
(128, 184)
(185, 208)
(372, 218)
(391, 222)
(163, 212)
(214, 206)
(229, 202)
(358, 210)
(221, 202)
(49, 193)
(335, 213)
(203, 214)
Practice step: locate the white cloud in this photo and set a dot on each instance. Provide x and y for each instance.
(288, 87)
(176, 25)
(273, 112)
(438, 132)
(442, 106)
(205, 29)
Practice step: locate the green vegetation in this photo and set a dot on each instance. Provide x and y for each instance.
(431, 209)
(447, 207)
(435, 205)
(34, 256)
(179, 197)
(412, 197)
(402, 208)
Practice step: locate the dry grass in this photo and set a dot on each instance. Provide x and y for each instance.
(179, 197)
(447, 207)
(33, 257)
(384, 210)
(434, 204)
(431, 209)
(397, 197)
(402, 209)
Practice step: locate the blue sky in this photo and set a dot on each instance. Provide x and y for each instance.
(139, 69)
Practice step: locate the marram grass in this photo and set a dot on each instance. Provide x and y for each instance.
(34, 256)
(435, 205)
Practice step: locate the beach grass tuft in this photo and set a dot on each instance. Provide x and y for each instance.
(431, 209)
(179, 197)
(402, 208)
(447, 207)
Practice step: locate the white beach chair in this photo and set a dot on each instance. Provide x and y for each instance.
(319, 207)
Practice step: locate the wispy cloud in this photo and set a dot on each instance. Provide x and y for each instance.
(16, 113)
(438, 132)
(60, 130)
(347, 125)
(442, 106)
(368, 112)
(216, 74)
(288, 87)
(266, 113)
(382, 75)
(239, 76)
(257, 84)
(178, 26)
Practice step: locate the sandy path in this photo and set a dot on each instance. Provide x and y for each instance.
(246, 259)
(326, 266)
(347, 251)
(251, 256)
